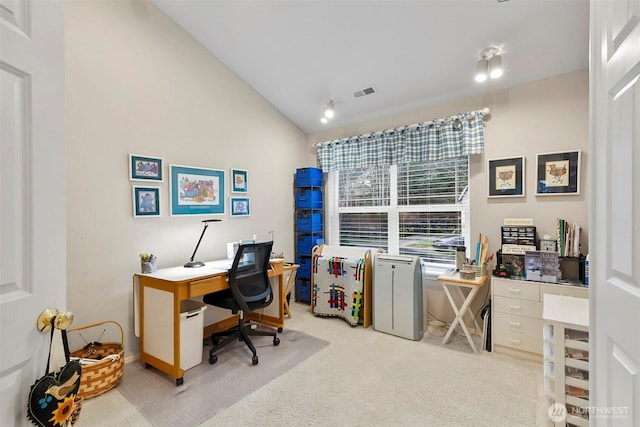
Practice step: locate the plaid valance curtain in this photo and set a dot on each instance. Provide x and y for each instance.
(449, 137)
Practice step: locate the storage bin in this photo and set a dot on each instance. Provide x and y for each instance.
(303, 290)
(305, 243)
(308, 177)
(304, 271)
(191, 326)
(308, 222)
(308, 199)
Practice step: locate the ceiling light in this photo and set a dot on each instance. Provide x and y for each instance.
(324, 120)
(329, 108)
(481, 70)
(495, 66)
(490, 64)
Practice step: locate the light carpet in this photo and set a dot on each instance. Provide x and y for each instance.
(208, 389)
(365, 378)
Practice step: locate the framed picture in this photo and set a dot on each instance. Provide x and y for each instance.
(558, 173)
(238, 181)
(505, 177)
(196, 191)
(145, 168)
(146, 201)
(239, 206)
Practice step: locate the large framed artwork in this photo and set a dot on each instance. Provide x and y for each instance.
(146, 202)
(505, 177)
(240, 206)
(239, 182)
(145, 168)
(558, 173)
(196, 191)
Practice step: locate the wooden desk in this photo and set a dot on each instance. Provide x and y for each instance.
(158, 310)
(474, 285)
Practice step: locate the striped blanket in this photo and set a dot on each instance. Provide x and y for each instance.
(338, 285)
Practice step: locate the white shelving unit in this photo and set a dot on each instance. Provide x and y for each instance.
(566, 356)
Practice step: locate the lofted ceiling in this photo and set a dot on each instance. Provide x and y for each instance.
(297, 54)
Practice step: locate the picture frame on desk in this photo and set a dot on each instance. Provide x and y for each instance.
(239, 181)
(505, 177)
(558, 173)
(145, 168)
(239, 206)
(146, 201)
(196, 190)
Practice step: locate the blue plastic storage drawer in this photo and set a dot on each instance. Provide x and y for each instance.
(304, 271)
(305, 244)
(308, 199)
(309, 221)
(308, 177)
(303, 290)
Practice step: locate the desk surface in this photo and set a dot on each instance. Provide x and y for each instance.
(211, 268)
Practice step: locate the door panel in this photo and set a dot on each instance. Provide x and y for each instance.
(615, 212)
(32, 192)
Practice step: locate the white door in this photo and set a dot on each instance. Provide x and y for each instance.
(32, 192)
(614, 215)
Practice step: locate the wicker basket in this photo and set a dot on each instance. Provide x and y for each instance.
(105, 374)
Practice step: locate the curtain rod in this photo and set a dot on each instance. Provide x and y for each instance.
(485, 111)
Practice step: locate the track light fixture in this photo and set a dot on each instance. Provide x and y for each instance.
(490, 64)
(329, 111)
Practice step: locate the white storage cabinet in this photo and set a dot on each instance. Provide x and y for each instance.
(516, 314)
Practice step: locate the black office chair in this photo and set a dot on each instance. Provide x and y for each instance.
(249, 290)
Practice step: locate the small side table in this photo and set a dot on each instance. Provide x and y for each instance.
(453, 281)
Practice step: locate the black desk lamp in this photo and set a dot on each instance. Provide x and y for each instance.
(191, 262)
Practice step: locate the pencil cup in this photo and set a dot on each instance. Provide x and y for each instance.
(149, 266)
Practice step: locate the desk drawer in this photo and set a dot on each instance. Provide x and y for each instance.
(211, 284)
(517, 340)
(520, 324)
(516, 289)
(521, 307)
(566, 290)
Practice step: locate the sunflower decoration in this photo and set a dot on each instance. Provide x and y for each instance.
(62, 413)
(53, 398)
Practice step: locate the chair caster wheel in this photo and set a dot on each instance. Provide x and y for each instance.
(276, 341)
(279, 330)
(179, 381)
(213, 359)
(254, 360)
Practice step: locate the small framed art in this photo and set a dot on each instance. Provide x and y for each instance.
(196, 191)
(145, 168)
(505, 177)
(239, 181)
(240, 206)
(146, 202)
(558, 173)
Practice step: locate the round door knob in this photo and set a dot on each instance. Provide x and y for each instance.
(63, 320)
(44, 320)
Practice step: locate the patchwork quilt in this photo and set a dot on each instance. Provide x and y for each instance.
(338, 286)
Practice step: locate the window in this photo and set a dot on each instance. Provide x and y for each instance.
(416, 209)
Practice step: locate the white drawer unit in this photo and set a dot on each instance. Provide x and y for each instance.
(516, 313)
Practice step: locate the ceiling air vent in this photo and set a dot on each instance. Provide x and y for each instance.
(366, 91)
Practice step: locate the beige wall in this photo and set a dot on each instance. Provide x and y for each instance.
(544, 116)
(136, 83)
